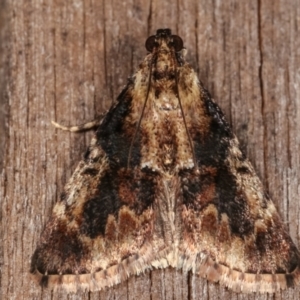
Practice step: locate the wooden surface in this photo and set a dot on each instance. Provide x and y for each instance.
(66, 61)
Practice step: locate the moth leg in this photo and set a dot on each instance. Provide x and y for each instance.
(81, 127)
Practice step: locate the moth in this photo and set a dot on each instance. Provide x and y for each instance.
(164, 183)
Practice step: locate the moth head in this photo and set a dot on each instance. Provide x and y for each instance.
(164, 37)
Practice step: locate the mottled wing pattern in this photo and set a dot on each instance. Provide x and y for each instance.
(164, 183)
(231, 227)
(101, 228)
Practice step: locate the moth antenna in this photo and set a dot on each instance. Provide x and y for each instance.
(184, 122)
(142, 114)
(82, 127)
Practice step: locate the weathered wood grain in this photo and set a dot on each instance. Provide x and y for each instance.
(67, 60)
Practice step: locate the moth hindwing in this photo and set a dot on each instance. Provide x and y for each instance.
(164, 183)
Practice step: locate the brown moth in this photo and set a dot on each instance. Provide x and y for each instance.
(164, 183)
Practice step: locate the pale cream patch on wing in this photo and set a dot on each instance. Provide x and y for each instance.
(247, 182)
(164, 131)
(191, 100)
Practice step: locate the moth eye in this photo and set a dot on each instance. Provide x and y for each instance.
(151, 43)
(176, 42)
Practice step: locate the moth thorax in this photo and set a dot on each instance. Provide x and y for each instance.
(164, 66)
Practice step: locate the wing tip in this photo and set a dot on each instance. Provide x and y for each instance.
(72, 283)
(246, 282)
